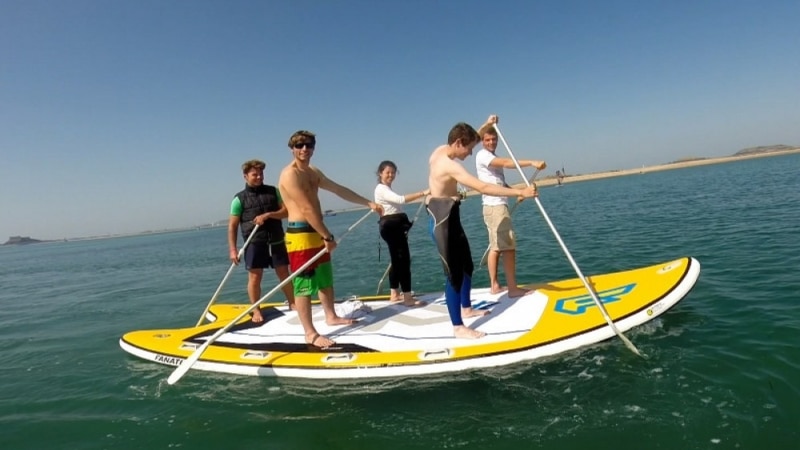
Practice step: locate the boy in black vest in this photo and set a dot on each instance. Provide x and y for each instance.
(259, 204)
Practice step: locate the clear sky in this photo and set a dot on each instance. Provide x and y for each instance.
(124, 116)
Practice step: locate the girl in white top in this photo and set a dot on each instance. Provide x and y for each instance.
(394, 226)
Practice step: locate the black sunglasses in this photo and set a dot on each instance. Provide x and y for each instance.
(308, 145)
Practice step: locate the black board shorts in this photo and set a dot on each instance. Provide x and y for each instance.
(262, 255)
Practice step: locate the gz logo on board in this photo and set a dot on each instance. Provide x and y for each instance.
(578, 305)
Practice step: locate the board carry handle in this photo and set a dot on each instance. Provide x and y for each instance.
(589, 288)
(187, 364)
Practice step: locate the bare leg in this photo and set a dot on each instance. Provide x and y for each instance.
(394, 295)
(491, 262)
(303, 306)
(463, 332)
(331, 318)
(254, 291)
(288, 290)
(510, 268)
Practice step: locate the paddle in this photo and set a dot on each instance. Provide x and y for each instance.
(389, 267)
(187, 364)
(597, 301)
(225, 278)
(486, 253)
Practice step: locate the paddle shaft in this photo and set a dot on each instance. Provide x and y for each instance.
(389, 267)
(225, 278)
(513, 208)
(187, 364)
(589, 288)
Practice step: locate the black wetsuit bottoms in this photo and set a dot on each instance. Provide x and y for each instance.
(394, 230)
(453, 246)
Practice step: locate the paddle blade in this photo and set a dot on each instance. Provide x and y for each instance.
(187, 364)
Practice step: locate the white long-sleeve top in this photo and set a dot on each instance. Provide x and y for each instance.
(390, 200)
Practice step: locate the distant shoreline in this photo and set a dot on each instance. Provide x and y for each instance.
(552, 181)
(548, 181)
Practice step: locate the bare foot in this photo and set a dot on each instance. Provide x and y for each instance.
(496, 289)
(469, 312)
(318, 340)
(463, 332)
(413, 303)
(257, 317)
(395, 300)
(410, 301)
(340, 321)
(517, 292)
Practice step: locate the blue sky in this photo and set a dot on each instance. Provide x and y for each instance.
(124, 116)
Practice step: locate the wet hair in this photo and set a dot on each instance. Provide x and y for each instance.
(464, 132)
(302, 136)
(253, 164)
(383, 165)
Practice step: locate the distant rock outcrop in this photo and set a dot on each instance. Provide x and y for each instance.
(21, 240)
(765, 149)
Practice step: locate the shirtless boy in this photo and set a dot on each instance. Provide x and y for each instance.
(307, 235)
(445, 223)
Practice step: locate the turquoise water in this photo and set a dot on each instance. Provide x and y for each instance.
(722, 372)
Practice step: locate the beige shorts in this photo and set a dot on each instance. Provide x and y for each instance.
(498, 221)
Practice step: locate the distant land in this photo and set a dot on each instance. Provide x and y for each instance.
(747, 153)
(21, 240)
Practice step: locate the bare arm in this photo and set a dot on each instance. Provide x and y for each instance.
(493, 119)
(508, 163)
(461, 175)
(345, 193)
(281, 213)
(233, 225)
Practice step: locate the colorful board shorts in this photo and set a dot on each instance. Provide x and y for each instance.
(302, 244)
(498, 221)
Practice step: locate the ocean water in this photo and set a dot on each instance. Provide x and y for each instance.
(722, 368)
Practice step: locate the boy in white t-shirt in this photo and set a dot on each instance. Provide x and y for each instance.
(495, 211)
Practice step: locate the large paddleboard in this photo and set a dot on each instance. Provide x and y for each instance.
(391, 340)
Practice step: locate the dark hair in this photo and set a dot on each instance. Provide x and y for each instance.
(464, 132)
(301, 136)
(383, 165)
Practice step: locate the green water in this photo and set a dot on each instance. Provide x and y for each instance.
(722, 370)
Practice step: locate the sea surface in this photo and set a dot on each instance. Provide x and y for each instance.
(722, 368)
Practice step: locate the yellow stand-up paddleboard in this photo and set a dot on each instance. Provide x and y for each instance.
(390, 340)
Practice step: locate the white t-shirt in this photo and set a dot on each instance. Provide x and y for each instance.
(388, 199)
(491, 175)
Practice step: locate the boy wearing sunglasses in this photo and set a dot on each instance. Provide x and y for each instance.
(307, 235)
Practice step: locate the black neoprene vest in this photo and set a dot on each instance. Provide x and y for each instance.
(256, 201)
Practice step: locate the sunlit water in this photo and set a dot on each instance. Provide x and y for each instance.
(722, 371)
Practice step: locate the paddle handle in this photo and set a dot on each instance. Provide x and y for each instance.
(589, 288)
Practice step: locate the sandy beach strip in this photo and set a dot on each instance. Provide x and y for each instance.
(551, 180)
